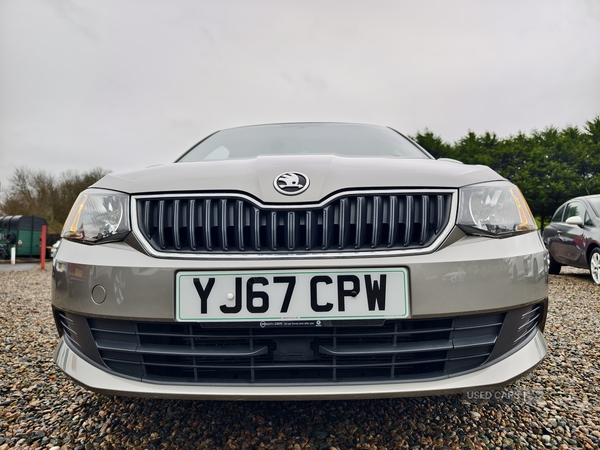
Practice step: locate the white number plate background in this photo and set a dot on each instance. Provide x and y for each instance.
(300, 295)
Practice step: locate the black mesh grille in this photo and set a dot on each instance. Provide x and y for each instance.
(353, 222)
(378, 351)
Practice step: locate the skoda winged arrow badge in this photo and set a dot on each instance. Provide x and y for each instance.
(291, 183)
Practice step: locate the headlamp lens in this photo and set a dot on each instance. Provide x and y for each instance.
(98, 216)
(494, 209)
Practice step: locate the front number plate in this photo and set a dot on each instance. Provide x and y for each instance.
(302, 295)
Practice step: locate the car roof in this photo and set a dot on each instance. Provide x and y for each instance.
(582, 197)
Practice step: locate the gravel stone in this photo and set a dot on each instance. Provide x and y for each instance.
(557, 405)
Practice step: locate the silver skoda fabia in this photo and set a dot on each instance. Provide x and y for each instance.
(300, 261)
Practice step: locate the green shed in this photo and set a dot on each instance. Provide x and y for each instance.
(22, 232)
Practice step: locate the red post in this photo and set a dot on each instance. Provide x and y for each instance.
(43, 248)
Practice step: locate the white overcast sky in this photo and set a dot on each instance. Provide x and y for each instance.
(124, 84)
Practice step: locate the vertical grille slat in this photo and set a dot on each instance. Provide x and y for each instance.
(239, 225)
(255, 228)
(291, 230)
(424, 219)
(147, 222)
(440, 214)
(272, 230)
(377, 221)
(356, 221)
(361, 222)
(222, 225)
(192, 224)
(409, 207)
(176, 224)
(161, 224)
(206, 226)
(327, 226)
(344, 222)
(311, 229)
(393, 221)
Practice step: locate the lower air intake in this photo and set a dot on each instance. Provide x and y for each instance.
(397, 350)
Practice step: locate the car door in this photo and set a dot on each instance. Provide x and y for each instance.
(550, 231)
(568, 246)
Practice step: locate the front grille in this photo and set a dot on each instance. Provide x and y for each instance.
(217, 224)
(398, 350)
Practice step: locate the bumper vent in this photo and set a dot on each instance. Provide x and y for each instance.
(401, 350)
(348, 223)
(530, 319)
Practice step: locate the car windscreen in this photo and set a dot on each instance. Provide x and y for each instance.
(595, 202)
(304, 139)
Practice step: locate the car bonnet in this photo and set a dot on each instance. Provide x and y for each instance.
(326, 174)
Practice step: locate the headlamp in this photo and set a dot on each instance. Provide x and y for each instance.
(496, 209)
(98, 216)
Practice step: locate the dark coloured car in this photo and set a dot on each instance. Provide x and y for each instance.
(573, 236)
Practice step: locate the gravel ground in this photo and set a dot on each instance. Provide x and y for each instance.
(556, 406)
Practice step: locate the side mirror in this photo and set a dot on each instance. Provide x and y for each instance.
(575, 220)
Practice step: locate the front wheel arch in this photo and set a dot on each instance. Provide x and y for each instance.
(594, 264)
(553, 265)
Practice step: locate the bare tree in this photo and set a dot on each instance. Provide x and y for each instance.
(40, 193)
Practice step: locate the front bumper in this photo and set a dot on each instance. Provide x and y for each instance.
(494, 375)
(466, 277)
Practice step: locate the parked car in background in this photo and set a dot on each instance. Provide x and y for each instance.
(300, 261)
(573, 236)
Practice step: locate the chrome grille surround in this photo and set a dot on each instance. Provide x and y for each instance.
(347, 224)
